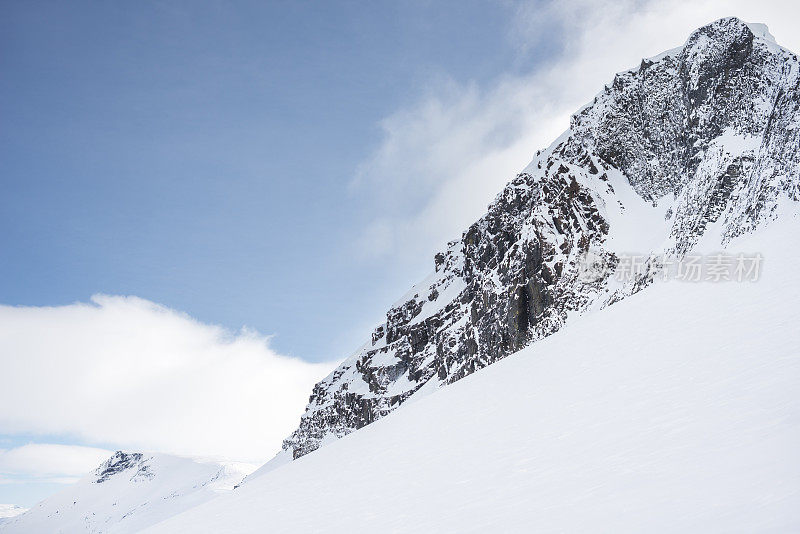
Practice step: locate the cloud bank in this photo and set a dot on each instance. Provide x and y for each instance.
(443, 159)
(125, 372)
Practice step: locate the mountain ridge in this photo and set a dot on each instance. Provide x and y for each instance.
(692, 151)
(700, 135)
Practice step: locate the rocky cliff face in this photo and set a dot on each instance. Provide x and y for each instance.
(702, 137)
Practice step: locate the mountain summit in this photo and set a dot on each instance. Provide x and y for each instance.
(674, 410)
(698, 143)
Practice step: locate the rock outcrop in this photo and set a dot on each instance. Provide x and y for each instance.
(704, 136)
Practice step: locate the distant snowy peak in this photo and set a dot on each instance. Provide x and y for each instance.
(10, 510)
(700, 142)
(128, 492)
(121, 462)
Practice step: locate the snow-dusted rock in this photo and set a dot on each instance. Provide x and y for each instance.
(704, 135)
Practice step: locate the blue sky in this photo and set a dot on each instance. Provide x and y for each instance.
(200, 156)
(205, 206)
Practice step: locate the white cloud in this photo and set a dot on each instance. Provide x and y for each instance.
(129, 373)
(443, 159)
(49, 462)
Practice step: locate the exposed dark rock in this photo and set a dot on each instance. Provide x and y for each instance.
(708, 134)
(119, 462)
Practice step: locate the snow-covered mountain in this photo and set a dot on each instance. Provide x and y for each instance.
(674, 410)
(704, 135)
(129, 492)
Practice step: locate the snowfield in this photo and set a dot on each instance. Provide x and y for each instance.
(674, 410)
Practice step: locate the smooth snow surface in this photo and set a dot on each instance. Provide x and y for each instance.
(674, 410)
(10, 510)
(146, 491)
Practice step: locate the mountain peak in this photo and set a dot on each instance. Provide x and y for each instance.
(702, 137)
(723, 26)
(122, 461)
(728, 26)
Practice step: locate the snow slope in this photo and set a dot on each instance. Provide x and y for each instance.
(129, 492)
(7, 511)
(673, 410)
(10, 510)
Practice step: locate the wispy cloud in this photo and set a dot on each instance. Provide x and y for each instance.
(129, 373)
(444, 158)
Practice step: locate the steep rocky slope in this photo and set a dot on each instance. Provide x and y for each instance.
(704, 135)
